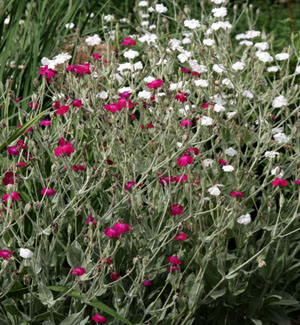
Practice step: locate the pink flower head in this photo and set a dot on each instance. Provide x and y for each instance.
(280, 181)
(77, 103)
(78, 271)
(185, 160)
(110, 232)
(173, 268)
(297, 182)
(91, 219)
(31, 104)
(155, 84)
(13, 150)
(174, 260)
(179, 179)
(15, 196)
(195, 73)
(48, 192)
(21, 164)
(109, 162)
(114, 276)
(18, 99)
(78, 167)
(125, 94)
(176, 209)
(180, 236)
(129, 185)
(80, 69)
(45, 123)
(65, 147)
(240, 194)
(222, 162)
(205, 105)
(62, 110)
(147, 283)
(99, 319)
(121, 227)
(27, 131)
(128, 41)
(5, 254)
(97, 56)
(185, 70)
(196, 151)
(186, 122)
(182, 97)
(113, 108)
(9, 178)
(48, 72)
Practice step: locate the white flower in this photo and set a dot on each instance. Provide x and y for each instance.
(244, 219)
(228, 168)
(95, 75)
(186, 40)
(26, 253)
(7, 20)
(277, 130)
(207, 162)
(131, 54)
(238, 66)
(197, 67)
(175, 44)
(282, 56)
(271, 154)
(279, 102)
(192, 24)
(208, 42)
(62, 58)
(214, 190)
(50, 63)
(230, 152)
(125, 66)
(240, 36)
(281, 138)
(264, 56)
(274, 68)
(118, 78)
(248, 94)
(230, 114)
(125, 89)
(150, 9)
(252, 34)
(201, 82)
(277, 172)
(227, 82)
(152, 27)
(103, 95)
(262, 46)
(205, 120)
(143, 4)
(145, 15)
(69, 25)
(138, 66)
(160, 8)
(145, 94)
(219, 12)
(219, 108)
(297, 69)
(184, 56)
(218, 2)
(179, 144)
(219, 99)
(145, 23)
(148, 38)
(219, 68)
(93, 40)
(149, 79)
(109, 18)
(245, 42)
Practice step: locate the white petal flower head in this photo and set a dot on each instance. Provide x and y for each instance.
(125, 89)
(219, 108)
(279, 102)
(214, 190)
(160, 8)
(145, 94)
(131, 54)
(230, 152)
(219, 12)
(274, 68)
(201, 82)
(103, 95)
(227, 82)
(109, 18)
(297, 71)
(62, 58)
(69, 25)
(277, 130)
(277, 172)
(125, 66)
(50, 63)
(26, 253)
(244, 219)
(143, 4)
(262, 46)
(271, 154)
(149, 79)
(281, 138)
(192, 24)
(218, 2)
(282, 56)
(7, 20)
(208, 162)
(219, 68)
(230, 114)
(205, 120)
(93, 40)
(228, 168)
(264, 56)
(138, 66)
(238, 66)
(208, 42)
(248, 93)
(197, 67)
(246, 43)
(252, 34)
(184, 56)
(186, 40)
(240, 36)
(148, 38)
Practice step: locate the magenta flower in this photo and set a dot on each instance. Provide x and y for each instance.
(91, 219)
(222, 162)
(62, 110)
(185, 70)
(78, 271)
(180, 236)
(147, 283)
(113, 108)
(22, 164)
(99, 319)
(186, 122)
(185, 160)
(121, 227)
(114, 276)
(240, 194)
(31, 104)
(176, 209)
(173, 268)
(78, 167)
(181, 97)
(45, 123)
(298, 182)
(155, 84)
(179, 179)
(48, 72)
(8, 178)
(129, 185)
(125, 94)
(79, 69)
(13, 150)
(48, 192)
(110, 232)
(196, 151)
(77, 103)
(174, 260)
(280, 181)
(15, 196)
(128, 41)
(65, 147)
(97, 56)
(5, 254)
